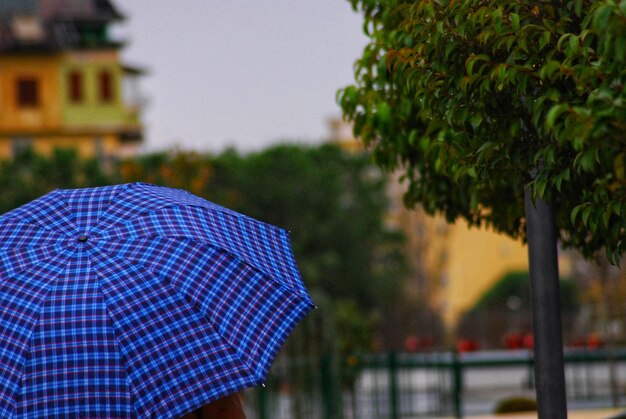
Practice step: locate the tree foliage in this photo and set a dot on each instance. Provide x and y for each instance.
(30, 175)
(517, 284)
(478, 100)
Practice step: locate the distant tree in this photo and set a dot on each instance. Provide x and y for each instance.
(505, 307)
(184, 170)
(516, 284)
(30, 175)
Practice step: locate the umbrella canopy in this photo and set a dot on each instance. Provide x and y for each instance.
(138, 300)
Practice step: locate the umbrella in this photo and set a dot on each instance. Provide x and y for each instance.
(138, 300)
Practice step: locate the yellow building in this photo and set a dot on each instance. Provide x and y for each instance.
(459, 263)
(453, 265)
(61, 80)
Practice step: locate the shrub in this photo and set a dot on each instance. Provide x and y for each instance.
(515, 404)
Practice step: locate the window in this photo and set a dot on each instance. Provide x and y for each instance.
(91, 34)
(27, 92)
(106, 86)
(76, 93)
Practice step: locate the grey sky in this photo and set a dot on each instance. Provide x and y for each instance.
(245, 73)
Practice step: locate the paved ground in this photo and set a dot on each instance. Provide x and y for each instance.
(576, 414)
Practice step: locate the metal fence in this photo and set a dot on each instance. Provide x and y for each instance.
(398, 385)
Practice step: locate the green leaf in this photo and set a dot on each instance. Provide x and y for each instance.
(557, 182)
(384, 113)
(602, 16)
(585, 215)
(586, 160)
(575, 212)
(545, 39)
(619, 168)
(473, 59)
(523, 43)
(549, 69)
(498, 72)
(514, 18)
(449, 48)
(606, 217)
(540, 187)
(620, 49)
(593, 225)
(574, 47)
(560, 178)
(554, 113)
(476, 119)
(564, 38)
(466, 82)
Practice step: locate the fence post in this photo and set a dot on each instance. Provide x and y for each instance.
(393, 385)
(332, 407)
(261, 400)
(457, 385)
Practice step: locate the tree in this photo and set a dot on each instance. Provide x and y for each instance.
(478, 100)
(505, 113)
(30, 175)
(184, 170)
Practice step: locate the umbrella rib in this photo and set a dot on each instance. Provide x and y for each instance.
(270, 243)
(157, 211)
(24, 266)
(42, 237)
(163, 278)
(34, 223)
(115, 334)
(51, 214)
(190, 304)
(28, 339)
(296, 291)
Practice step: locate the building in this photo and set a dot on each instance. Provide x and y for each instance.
(452, 264)
(61, 80)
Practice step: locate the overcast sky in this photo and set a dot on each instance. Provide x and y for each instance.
(242, 73)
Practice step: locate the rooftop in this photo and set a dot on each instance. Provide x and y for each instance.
(53, 25)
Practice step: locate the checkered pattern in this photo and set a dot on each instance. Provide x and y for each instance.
(138, 301)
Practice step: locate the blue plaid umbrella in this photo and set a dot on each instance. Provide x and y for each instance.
(138, 301)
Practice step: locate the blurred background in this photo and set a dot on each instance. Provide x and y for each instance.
(240, 73)
(235, 101)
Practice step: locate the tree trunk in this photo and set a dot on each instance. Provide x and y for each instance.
(547, 330)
